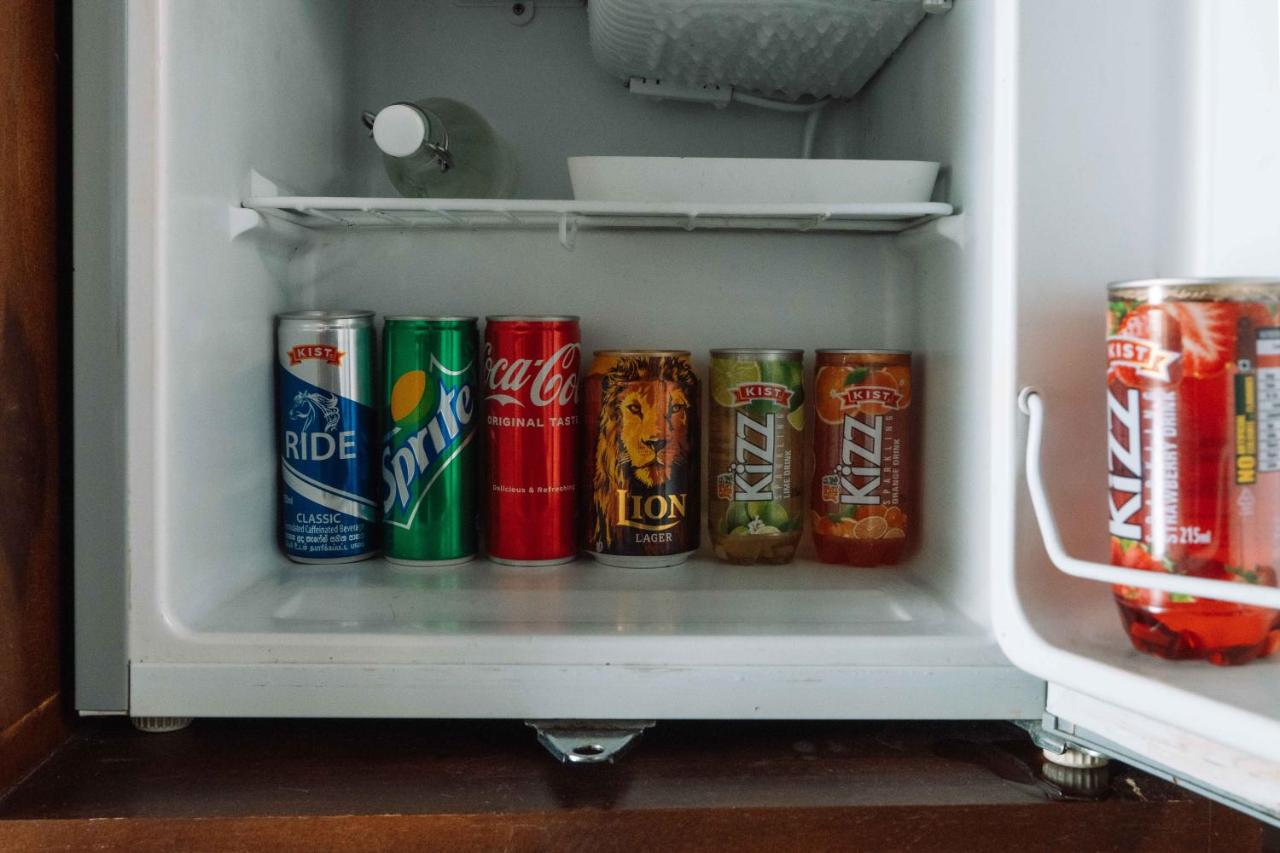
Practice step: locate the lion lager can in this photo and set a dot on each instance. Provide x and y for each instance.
(641, 503)
(754, 453)
(429, 456)
(1193, 451)
(327, 426)
(862, 456)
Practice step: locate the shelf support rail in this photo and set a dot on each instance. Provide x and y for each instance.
(1030, 403)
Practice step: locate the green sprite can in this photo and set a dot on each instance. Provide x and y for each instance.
(429, 454)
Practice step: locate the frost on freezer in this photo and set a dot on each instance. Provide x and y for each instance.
(442, 148)
(1193, 409)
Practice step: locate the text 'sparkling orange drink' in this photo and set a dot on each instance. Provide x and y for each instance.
(861, 456)
(1193, 458)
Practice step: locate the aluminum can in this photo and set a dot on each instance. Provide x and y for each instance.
(1193, 458)
(755, 450)
(430, 460)
(532, 425)
(641, 411)
(327, 430)
(862, 456)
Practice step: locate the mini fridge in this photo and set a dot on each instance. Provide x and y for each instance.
(222, 175)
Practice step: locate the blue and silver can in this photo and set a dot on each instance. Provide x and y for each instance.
(327, 425)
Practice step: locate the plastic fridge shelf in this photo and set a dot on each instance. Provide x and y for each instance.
(569, 216)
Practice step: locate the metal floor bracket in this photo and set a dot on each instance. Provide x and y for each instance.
(1058, 749)
(587, 741)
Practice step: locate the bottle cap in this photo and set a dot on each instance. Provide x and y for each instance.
(400, 129)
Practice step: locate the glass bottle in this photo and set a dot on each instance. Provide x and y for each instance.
(442, 148)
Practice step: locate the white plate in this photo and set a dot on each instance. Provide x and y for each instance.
(742, 180)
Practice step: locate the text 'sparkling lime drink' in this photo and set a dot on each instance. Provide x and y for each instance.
(862, 456)
(1193, 450)
(755, 454)
(429, 454)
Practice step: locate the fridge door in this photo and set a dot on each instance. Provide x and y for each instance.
(1135, 140)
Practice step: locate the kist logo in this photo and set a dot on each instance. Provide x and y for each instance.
(315, 352)
(749, 392)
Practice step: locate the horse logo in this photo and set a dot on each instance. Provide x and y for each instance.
(310, 405)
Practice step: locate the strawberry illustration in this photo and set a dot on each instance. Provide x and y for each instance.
(1207, 331)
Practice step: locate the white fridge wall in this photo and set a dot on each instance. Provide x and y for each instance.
(1108, 167)
(216, 614)
(540, 88)
(239, 85)
(932, 101)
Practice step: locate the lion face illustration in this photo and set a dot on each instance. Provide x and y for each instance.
(655, 429)
(645, 436)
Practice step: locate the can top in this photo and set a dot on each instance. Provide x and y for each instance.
(341, 317)
(862, 351)
(647, 353)
(424, 318)
(1191, 285)
(757, 354)
(531, 318)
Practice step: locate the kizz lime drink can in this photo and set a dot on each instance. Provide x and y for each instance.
(429, 454)
(755, 454)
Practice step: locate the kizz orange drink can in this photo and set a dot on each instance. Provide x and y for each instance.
(861, 455)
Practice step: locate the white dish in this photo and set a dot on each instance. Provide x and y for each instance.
(743, 180)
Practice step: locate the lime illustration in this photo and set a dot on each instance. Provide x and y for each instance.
(729, 373)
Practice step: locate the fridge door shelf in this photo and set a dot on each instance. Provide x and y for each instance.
(1032, 405)
(319, 212)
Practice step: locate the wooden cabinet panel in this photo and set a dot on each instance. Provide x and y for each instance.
(31, 423)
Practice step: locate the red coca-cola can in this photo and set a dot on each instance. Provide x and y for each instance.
(532, 427)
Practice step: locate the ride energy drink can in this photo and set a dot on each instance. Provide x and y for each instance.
(327, 429)
(641, 503)
(429, 454)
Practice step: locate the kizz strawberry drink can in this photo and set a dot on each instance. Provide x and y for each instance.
(1193, 410)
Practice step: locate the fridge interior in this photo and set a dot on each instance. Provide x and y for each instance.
(221, 623)
(208, 584)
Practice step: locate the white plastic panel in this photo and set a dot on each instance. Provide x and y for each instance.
(944, 73)
(1098, 177)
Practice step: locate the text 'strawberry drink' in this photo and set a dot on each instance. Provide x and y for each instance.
(861, 454)
(1193, 410)
(532, 425)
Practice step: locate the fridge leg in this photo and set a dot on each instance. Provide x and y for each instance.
(587, 741)
(160, 725)
(1060, 751)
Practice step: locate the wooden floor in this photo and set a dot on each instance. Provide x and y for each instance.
(320, 785)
